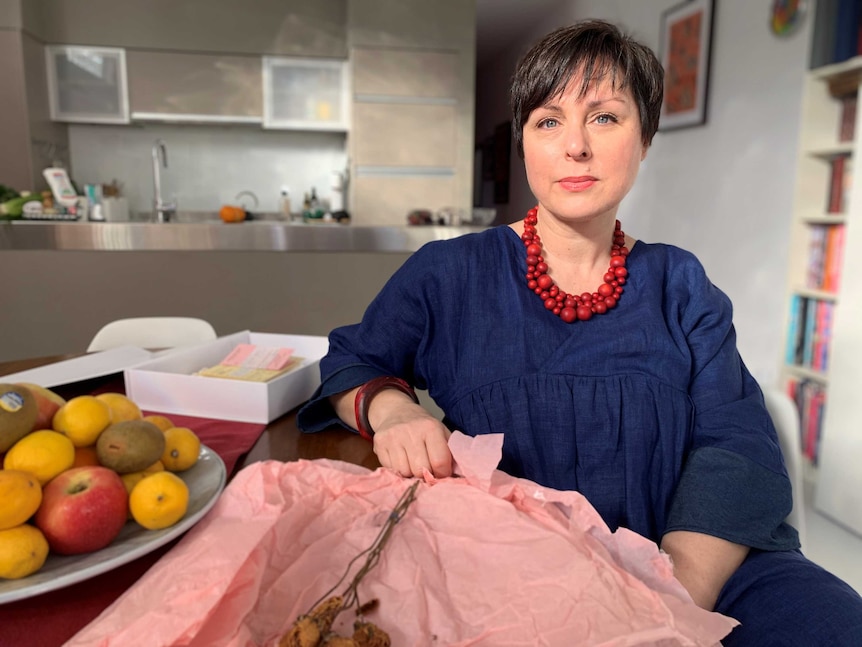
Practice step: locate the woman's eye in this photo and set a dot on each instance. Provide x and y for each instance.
(605, 119)
(548, 123)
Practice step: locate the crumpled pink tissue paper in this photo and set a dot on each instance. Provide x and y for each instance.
(481, 559)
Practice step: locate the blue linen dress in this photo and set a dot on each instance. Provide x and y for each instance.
(647, 410)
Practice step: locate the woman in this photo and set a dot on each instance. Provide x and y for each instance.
(631, 392)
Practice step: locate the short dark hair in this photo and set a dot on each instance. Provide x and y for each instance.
(594, 49)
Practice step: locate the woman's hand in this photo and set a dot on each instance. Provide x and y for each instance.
(407, 438)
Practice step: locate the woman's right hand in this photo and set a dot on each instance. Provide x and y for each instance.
(407, 438)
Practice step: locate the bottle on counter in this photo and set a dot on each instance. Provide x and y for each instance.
(284, 203)
(315, 209)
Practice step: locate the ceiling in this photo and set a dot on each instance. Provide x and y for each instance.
(499, 22)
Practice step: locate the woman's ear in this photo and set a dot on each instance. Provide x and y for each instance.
(644, 152)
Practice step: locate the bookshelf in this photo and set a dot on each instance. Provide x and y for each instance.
(822, 361)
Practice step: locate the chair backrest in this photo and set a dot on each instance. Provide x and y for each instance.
(785, 417)
(152, 332)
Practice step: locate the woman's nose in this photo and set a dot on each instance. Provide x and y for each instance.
(577, 146)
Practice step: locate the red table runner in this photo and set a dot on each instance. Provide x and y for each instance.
(50, 619)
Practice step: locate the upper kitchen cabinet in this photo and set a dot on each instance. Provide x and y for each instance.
(411, 135)
(194, 88)
(305, 94)
(412, 23)
(87, 84)
(264, 27)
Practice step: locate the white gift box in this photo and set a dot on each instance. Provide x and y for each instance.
(168, 384)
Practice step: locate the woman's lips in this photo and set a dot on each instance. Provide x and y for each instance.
(575, 184)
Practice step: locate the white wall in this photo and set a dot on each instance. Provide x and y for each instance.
(722, 190)
(207, 165)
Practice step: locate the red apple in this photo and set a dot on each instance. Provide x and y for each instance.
(83, 509)
(48, 403)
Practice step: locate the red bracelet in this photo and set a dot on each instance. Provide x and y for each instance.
(367, 391)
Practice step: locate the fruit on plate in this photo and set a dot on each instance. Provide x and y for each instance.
(85, 456)
(48, 403)
(182, 448)
(43, 453)
(130, 446)
(23, 551)
(83, 509)
(82, 419)
(18, 411)
(14, 207)
(122, 407)
(21, 495)
(162, 422)
(159, 500)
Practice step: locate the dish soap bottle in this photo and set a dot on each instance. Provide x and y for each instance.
(284, 203)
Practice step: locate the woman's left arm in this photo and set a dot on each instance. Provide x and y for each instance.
(733, 492)
(702, 563)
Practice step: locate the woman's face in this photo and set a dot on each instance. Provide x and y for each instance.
(582, 153)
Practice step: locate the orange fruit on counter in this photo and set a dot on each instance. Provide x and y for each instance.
(21, 495)
(86, 456)
(161, 422)
(43, 453)
(159, 500)
(121, 406)
(230, 213)
(23, 551)
(82, 419)
(182, 448)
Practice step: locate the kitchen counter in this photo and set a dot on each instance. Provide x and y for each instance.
(262, 236)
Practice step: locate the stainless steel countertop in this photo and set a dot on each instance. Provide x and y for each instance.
(264, 236)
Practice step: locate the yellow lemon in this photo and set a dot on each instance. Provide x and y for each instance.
(159, 500)
(43, 453)
(161, 422)
(21, 495)
(182, 448)
(122, 408)
(82, 419)
(23, 551)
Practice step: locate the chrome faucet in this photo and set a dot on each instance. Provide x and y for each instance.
(164, 210)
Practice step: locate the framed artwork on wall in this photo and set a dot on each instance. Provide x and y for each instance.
(685, 48)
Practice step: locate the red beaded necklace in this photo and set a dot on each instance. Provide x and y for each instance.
(569, 307)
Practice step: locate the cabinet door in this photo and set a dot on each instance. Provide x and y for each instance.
(305, 94)
(87, 84)
(179, 86)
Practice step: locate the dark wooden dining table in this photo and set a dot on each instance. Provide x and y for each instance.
(50, 619)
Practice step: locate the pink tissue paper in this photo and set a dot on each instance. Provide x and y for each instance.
(479, 559)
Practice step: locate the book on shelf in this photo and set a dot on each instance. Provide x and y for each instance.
(823, 35)
(809, 333)
(840, 179)
(825, 256)
(847, 21)
(833, 257)
(847, 124)
(810, 399)
(818, 237)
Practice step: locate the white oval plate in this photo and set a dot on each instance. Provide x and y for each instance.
(206, 479)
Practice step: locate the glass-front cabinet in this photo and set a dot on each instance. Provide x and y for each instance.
(305, 94)
(87, 84)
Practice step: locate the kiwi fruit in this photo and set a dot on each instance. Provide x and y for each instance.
(130, 446)
(18, 412)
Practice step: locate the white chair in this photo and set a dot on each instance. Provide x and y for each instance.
(785, 417)
(152, 332)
